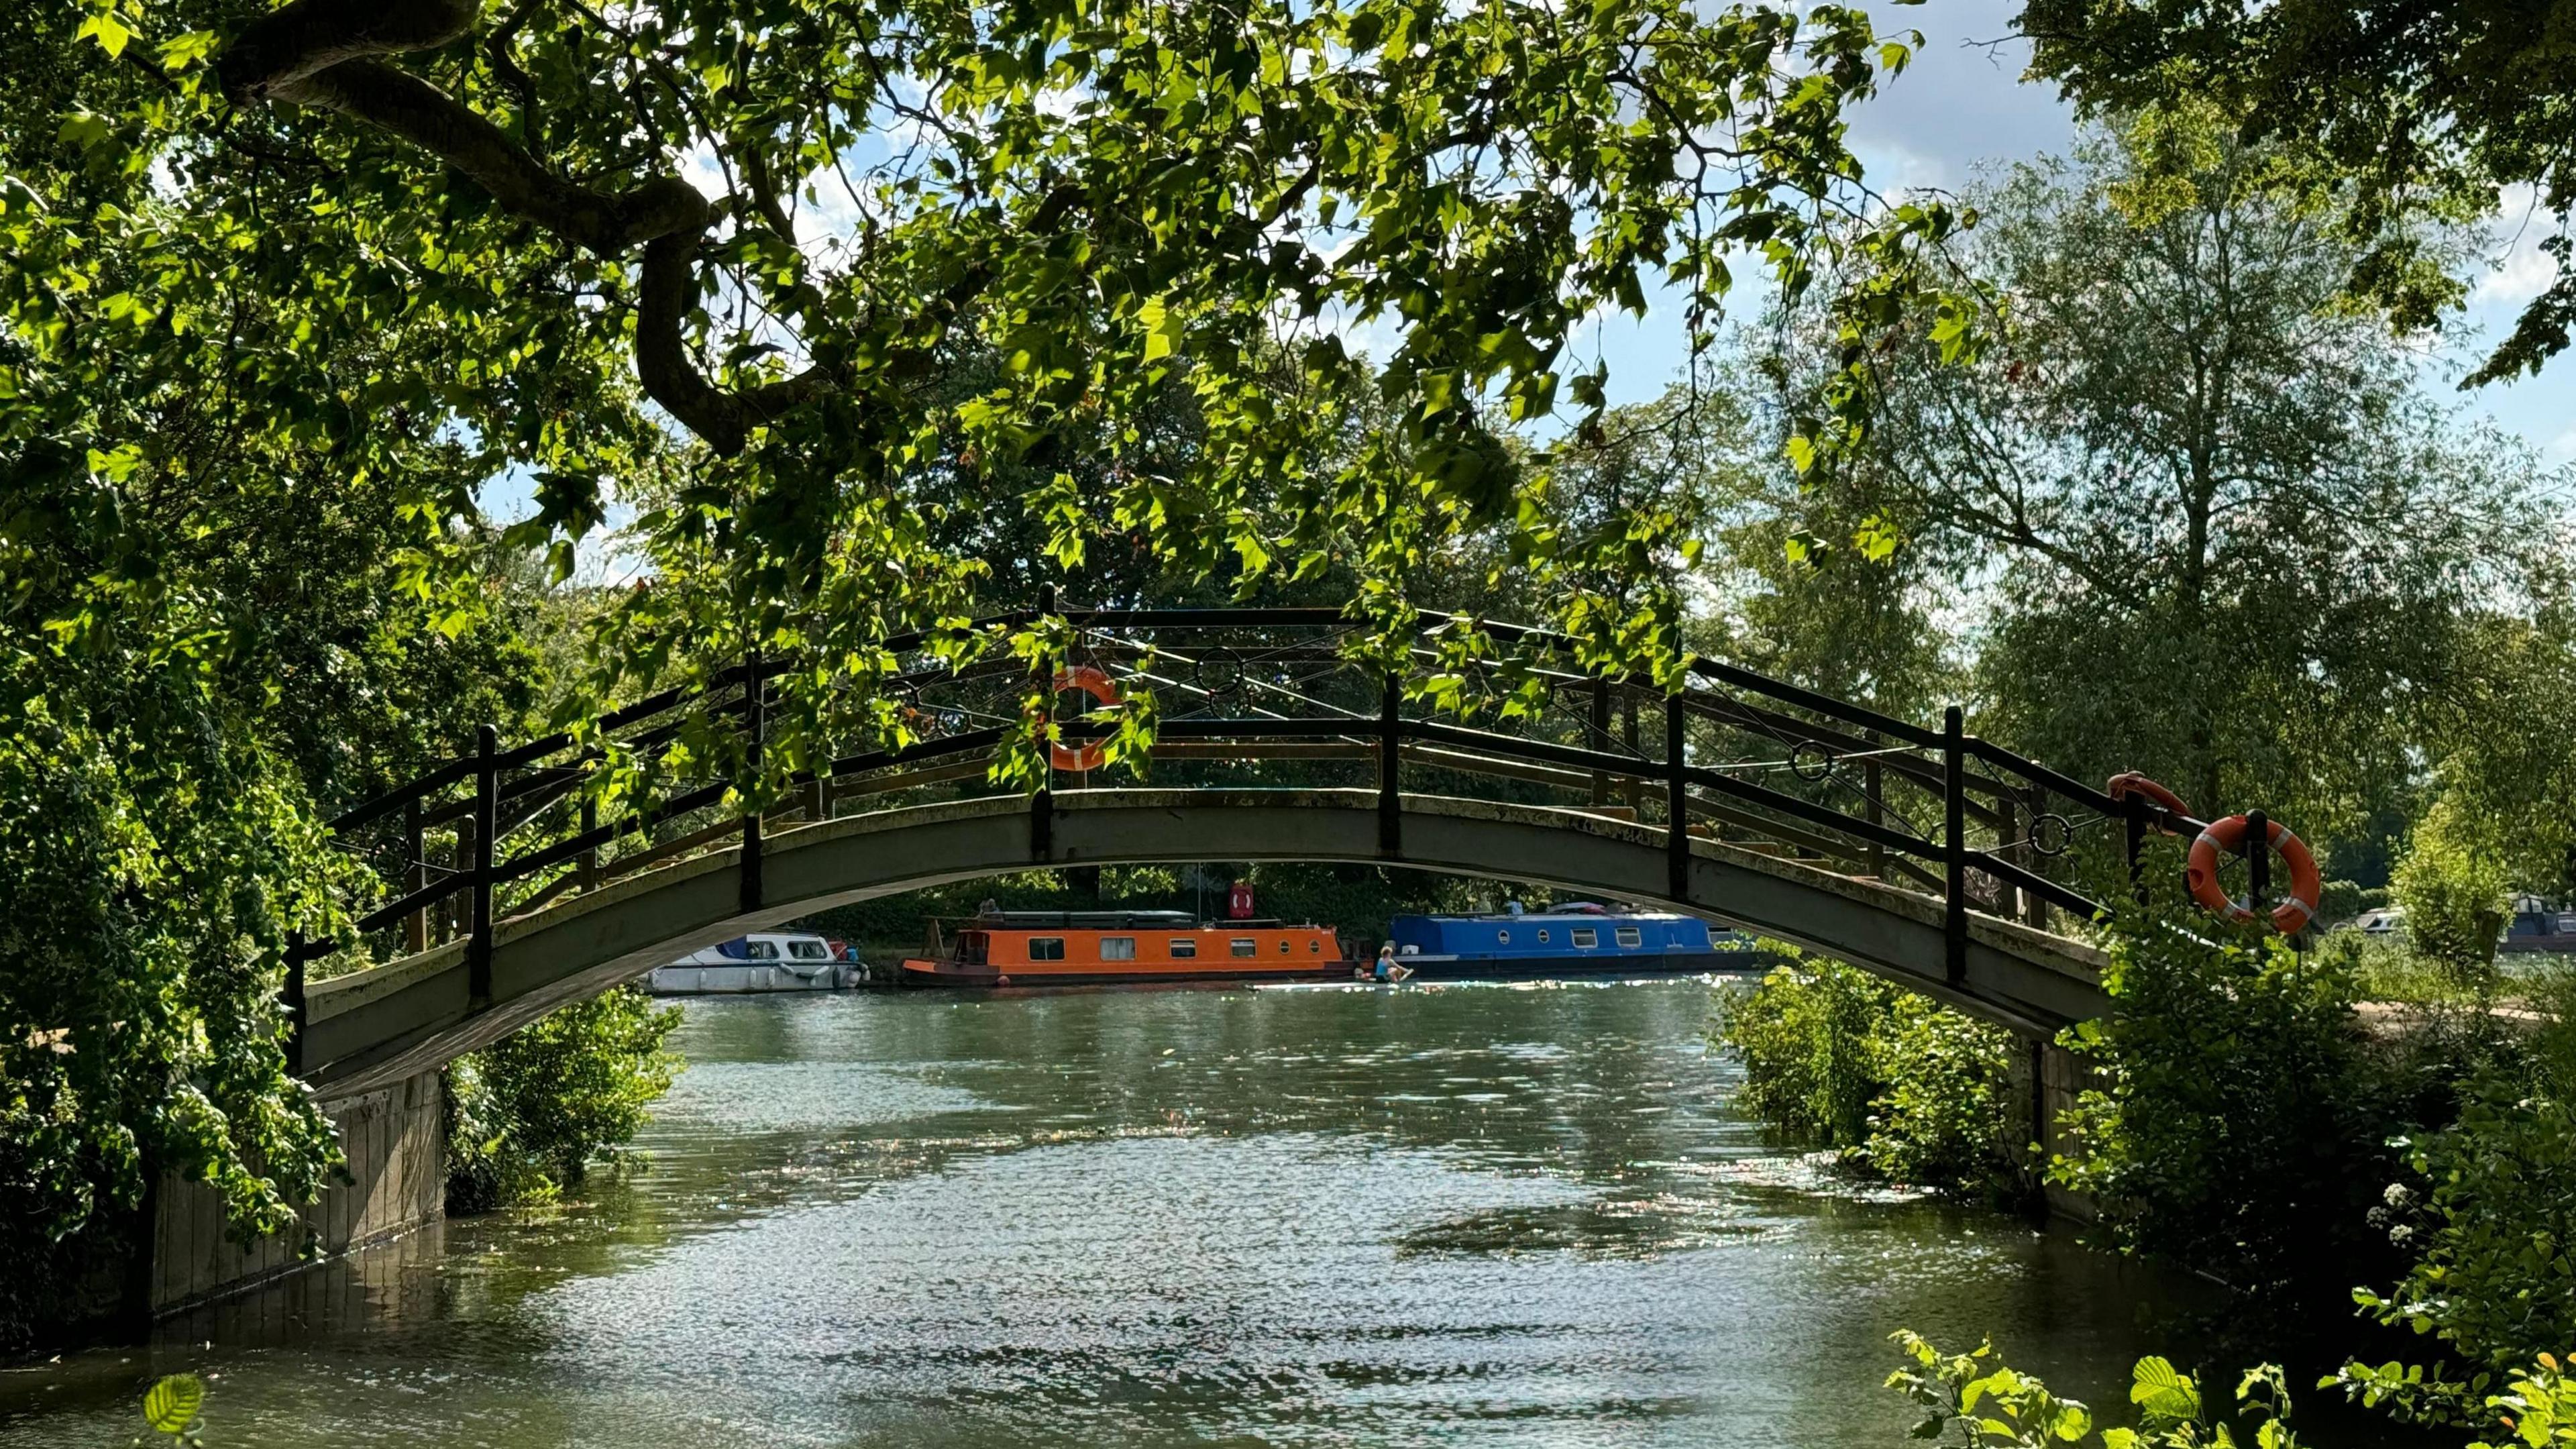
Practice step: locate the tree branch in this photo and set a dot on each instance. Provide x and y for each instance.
(316, 53)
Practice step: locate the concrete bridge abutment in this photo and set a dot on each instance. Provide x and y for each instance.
(395, 1139)
(2050, 1079)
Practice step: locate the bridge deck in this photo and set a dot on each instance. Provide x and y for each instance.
(393, 1021)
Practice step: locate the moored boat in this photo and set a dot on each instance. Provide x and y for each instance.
(1084, 948)
(763, 961)
(1577, 939)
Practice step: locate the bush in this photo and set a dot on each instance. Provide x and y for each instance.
(2492, 1212)
(2240, 1126)
(1907, 1090)
(2454, 892)
(1945, 1115)
(2339, 901)
(1806, 1035)
(530, 1116)
(1993, 1404)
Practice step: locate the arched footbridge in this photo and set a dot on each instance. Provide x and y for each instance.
(1919, 852)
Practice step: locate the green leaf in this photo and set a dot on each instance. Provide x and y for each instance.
(108, 31)
(1162, 329)
(172, 1404)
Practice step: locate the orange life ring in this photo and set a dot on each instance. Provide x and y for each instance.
(1096, 684)
(2222, 838)
(2123, 786)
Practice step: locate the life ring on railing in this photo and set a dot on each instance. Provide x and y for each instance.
(2223, 838)
(2123, 786)
(1098, 685)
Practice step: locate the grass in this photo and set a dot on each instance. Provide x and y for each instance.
(2389, 971)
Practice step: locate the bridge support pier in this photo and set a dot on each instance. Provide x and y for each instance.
(2051, 1078)
(396, 1141)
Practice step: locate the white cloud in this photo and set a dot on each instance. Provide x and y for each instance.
(700, 168)
(2524, 271)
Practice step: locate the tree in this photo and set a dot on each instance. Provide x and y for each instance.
(2429, 109)
(1098, 194)
(281, 289)
(2505, 735)
(1857, 623)
(2453, 887)
(2223, 539)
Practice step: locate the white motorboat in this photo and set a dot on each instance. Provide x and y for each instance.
(763, 961)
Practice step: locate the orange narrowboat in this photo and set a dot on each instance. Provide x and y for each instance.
(1087, 948)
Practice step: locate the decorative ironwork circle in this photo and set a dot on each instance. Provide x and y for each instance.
(2050, 833)
(1219, 675)
(1811, 761)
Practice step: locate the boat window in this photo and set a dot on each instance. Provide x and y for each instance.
(1503, 937)
(1183, 948)
(1246, 946)
(807, 950)
(1117, 948)
(1542, 936)
(1314, 948)
(1046, 948)
(1631, 936)
(764, 950)
(1586, 936)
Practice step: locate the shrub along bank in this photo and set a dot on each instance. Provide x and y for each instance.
(534, 1113)
(2242, 1123)
(1904, 1089)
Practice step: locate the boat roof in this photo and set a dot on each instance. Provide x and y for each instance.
(1107, 921)
(1579, 911)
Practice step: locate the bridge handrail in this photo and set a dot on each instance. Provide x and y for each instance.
(1735, 676)
(1933, 760)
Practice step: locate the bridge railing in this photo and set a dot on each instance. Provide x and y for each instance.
(1246, 698)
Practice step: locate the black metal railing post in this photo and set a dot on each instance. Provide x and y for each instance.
(2035, 905)
(1628, 734)
(487, 814)
(292, 1001)
(1954, 844)
(755, 729)
(1042, 800)
(1874, 808)
(2134, 820)
(415, 878)
(1677, 851)
(1600, 738)
(1390, 761)
(2258, 864)
(2008, 845)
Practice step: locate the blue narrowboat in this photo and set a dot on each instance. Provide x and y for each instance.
(1576, 939)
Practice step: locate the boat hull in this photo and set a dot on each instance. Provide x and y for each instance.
(742, 980)
(1594, 966)
(917, 971)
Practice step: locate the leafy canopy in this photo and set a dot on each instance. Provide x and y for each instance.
(735, 244)
(2430, 108)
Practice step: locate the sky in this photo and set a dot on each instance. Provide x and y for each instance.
(1962, 103)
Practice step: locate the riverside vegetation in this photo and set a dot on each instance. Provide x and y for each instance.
(2409, 1178)
(272, 328)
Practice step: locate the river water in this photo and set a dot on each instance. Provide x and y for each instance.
(1436, 1215)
